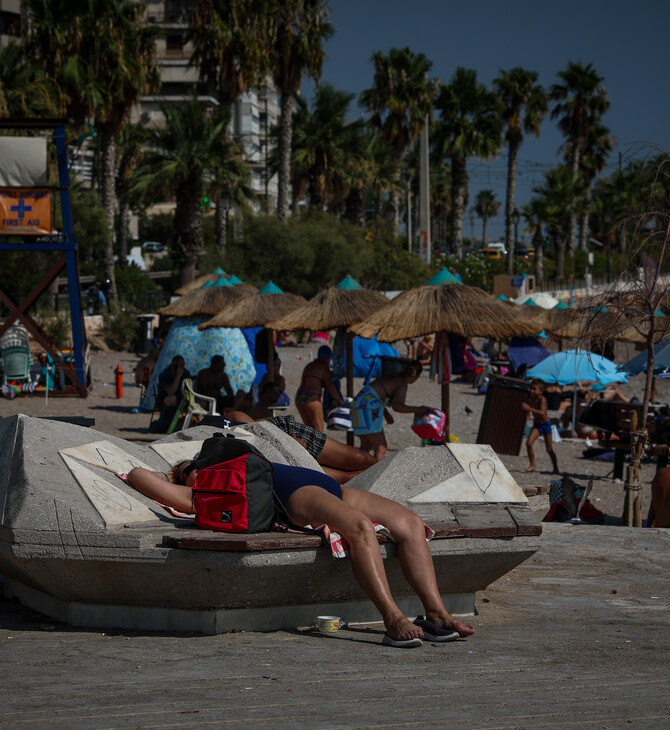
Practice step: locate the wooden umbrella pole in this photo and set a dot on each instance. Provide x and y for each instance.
(350, 379)
(350, 364)
(271, 359)
(445, 408)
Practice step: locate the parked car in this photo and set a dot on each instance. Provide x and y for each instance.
(524, 252)
(154, 247)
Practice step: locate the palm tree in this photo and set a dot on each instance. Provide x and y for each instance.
(580, 102)
(230, 46)
(299, 29)
(562, 196)
(24, 89)
(130, 148)
(102, 55)
(486, 206)
(178, 157)
(320, 136)
(229, 176)
(469, 126)
(231, 51)
(593, 160)
(524, 106)
(400, 101)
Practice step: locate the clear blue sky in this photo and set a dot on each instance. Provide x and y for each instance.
(627, 42)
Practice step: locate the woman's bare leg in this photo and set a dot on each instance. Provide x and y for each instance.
(416, 561)
(312, 414)
(313, 505)
(346, 458)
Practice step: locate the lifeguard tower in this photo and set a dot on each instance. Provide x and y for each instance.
(26, 201)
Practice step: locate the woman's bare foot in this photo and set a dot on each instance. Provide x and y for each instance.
(403, 629)
(529, 468)
(447, 621)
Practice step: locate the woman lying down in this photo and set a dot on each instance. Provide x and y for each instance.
(314, 498)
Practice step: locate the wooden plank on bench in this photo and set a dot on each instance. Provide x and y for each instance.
(229, 542)
(485, 523)
(526, 522)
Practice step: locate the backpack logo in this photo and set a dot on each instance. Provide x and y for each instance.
(226, 517)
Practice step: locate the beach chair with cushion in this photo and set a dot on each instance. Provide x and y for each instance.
(16, 362)
(190, 406)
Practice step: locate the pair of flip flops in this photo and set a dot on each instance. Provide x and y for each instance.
(431, 632)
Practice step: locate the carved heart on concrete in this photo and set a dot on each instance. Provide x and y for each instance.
(482, 473)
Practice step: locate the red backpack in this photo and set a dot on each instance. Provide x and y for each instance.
(233, 488)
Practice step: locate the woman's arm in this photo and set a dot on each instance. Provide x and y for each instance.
(154, 484)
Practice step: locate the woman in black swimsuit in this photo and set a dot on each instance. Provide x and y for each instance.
(313, 498)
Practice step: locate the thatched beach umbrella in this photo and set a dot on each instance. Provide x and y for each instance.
(257, 310)
(210, 298)
(454, 308)
(342, 305)
(213, 277)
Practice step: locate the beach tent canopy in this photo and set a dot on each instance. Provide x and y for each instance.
(197, 348)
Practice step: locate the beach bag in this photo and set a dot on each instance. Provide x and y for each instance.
(430, 425)
(233, 488)
(339, 418)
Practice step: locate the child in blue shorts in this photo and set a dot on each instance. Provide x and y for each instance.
(537, 406)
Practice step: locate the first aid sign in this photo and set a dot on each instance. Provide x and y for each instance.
(25, 212)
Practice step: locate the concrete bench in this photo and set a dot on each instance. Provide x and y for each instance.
(80, 546)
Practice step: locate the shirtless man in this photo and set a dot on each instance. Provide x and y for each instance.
(659, 509)
(211, 380)
(315, 377)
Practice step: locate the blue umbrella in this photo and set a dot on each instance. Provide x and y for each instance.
(639, 363)
(571, 366)
(526, 351)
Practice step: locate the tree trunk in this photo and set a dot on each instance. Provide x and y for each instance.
(394, 199)
(459, 182)
(538, 245)
(355, 208)
(584, 224)
(187, 231)
(572, 225)
(285, 134)
(221, 227)
(510, 205)
(122, 234)
(108, 196)
(485, 221)
(560, 255)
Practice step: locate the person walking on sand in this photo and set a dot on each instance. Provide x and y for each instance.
(368, 410)
(537, 406)
(315, 377)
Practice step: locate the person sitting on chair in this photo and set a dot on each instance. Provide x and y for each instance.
(170, 382)
(212, 380)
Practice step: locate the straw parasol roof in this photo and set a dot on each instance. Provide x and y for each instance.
(213, 277)
(463, 310)
(208, 299)
(333, 307)
(256, 310)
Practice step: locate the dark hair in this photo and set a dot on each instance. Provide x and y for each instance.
(540, 383)
(413, 368)
(175, 473)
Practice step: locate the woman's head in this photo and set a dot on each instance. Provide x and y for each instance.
(184, 472)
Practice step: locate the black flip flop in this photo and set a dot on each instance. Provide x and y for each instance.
(433, 632)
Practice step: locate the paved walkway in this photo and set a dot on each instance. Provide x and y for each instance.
(576, 637)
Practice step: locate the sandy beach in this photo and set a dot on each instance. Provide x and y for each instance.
(114, 416)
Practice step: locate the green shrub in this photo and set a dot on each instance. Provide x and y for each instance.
(119, 328)
(56, 325)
